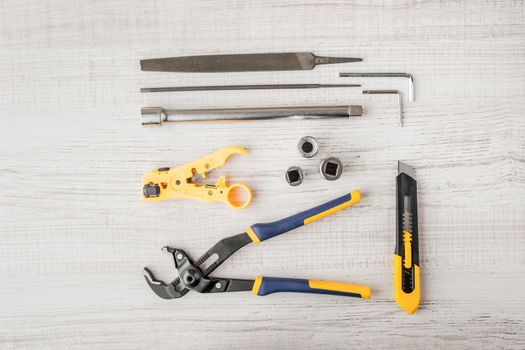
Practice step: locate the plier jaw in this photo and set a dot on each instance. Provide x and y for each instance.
(177, 288)
(190, 275)
(195, 275)
(170, 183)
(163, 290)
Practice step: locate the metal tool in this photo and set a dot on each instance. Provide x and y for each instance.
(246, 87)
(386, 75)
(308, 146)
(331, 168)
(294, 176)
(195, 274)
(399, 100)
(406, 255)
(171, 183)
(241, 62)
(157, 115)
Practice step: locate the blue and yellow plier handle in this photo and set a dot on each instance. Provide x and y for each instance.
(268, 285)
(262, 232)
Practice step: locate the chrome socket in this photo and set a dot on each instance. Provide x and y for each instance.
(331, 168)
(294, 176)
(308, 146)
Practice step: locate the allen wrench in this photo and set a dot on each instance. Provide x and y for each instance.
(385, 75)
(388, 92)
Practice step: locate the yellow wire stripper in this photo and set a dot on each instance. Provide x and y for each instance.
(170, 183)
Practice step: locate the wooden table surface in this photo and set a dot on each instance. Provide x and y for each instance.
(74, 235)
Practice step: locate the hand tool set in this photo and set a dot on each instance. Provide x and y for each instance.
(186, 181)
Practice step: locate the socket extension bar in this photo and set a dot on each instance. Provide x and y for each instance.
(158, 115)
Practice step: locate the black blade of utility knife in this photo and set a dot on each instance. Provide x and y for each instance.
(240, 62)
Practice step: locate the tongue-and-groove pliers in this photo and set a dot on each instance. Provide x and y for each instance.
(195, 275)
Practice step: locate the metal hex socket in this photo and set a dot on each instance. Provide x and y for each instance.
(294, 176)
(331, 168)
(308, 146)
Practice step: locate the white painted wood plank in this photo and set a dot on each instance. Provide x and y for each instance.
(75, 237)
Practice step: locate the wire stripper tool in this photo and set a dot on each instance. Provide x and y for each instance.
(195, 275)
(406, 256)
(169, 183)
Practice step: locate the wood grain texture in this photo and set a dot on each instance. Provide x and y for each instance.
(75, 237)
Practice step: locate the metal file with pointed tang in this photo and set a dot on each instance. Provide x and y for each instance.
(245, 87)
(195, 275)
(241, 62)
(158, 115)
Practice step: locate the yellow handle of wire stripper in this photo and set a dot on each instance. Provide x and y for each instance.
(171, 183)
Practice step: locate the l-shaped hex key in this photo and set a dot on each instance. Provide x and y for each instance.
(411, 97)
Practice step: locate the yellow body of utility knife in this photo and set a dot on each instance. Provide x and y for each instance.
(170, 183)
(407, 290)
